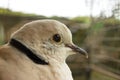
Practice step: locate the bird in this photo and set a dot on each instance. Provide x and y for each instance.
(38, 51)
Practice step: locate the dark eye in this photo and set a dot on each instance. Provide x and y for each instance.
(57, 38)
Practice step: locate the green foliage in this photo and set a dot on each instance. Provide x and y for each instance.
(57, 18)
(79, 37)
(81, 19)
(9, 12)
(97, 26)
(111, 22)
(1, 34)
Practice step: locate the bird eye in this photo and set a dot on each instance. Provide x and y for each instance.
(57, 38)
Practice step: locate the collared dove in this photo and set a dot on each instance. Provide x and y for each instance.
(37, 51)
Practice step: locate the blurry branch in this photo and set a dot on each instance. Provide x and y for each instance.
(111, 28)
(116, 10)
(111, 48)
(103, 71)
(111, 39)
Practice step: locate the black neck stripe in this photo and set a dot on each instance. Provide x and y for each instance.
(27, 52)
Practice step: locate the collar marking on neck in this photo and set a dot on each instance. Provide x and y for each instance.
(27, 52)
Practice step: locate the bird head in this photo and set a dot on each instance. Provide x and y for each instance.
(51, 40)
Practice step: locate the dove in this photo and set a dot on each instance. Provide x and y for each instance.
(38, 51)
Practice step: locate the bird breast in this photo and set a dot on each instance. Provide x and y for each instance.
(61, 72)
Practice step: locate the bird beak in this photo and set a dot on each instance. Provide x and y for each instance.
(78, 49)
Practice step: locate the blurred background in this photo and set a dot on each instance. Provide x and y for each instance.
(95, 25)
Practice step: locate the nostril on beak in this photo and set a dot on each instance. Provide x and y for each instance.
(77, 49)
